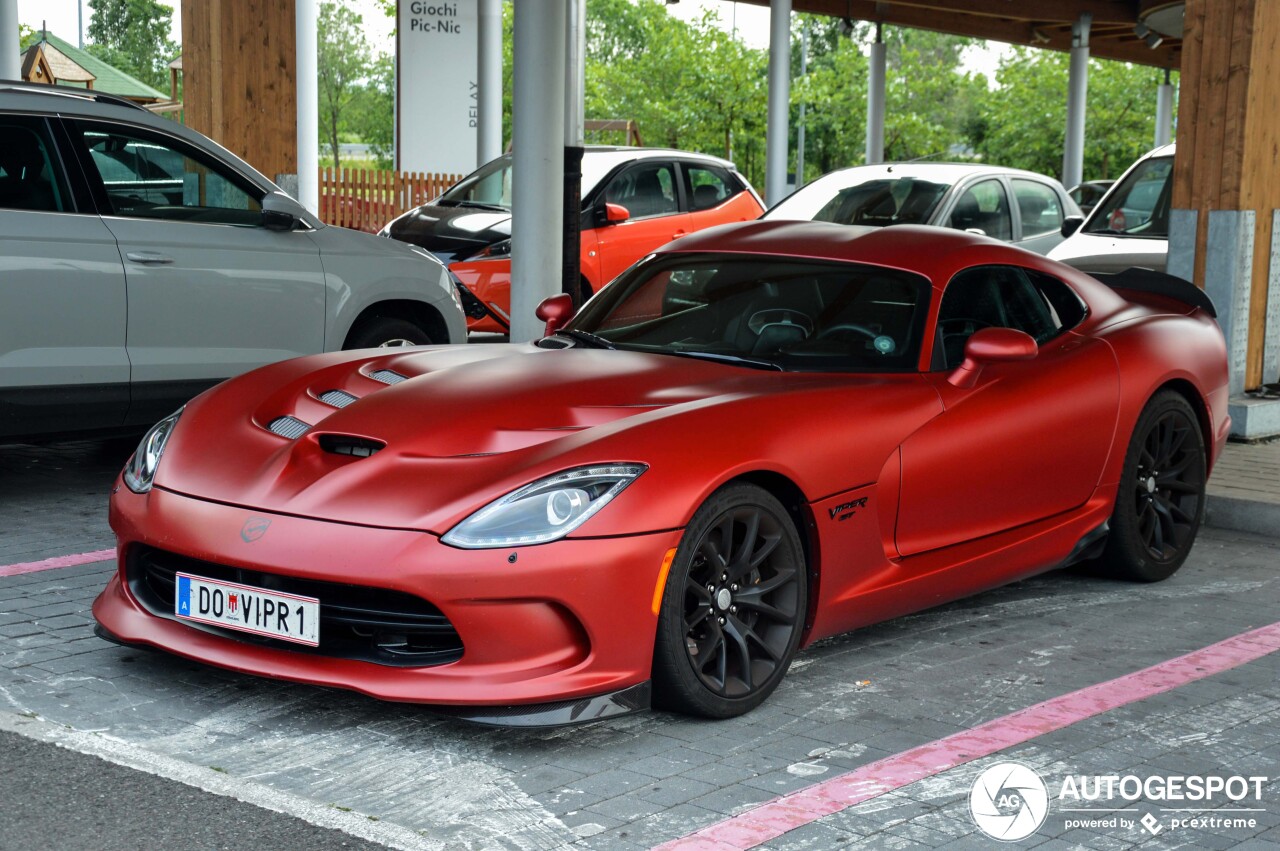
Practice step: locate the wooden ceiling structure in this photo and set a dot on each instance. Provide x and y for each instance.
(1035, 23)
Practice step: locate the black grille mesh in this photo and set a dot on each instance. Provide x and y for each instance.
(356, 621)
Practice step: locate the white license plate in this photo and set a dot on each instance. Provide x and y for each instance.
(243, 607)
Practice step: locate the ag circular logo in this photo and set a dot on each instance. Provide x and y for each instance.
(1009, 801)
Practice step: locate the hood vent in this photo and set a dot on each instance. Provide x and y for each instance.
(387, 376)
(337, 398)
(288, 427)
(344, 444)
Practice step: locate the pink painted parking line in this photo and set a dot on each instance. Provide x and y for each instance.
(774, 818)
(59, 561)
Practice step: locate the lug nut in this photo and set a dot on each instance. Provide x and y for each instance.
(733, 609)
(722, 621)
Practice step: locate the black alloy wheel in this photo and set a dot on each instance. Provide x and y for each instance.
(1160, 504)
(386, 332)
(734, 607)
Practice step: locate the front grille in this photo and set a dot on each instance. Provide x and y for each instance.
(356, 621)
(471, 305)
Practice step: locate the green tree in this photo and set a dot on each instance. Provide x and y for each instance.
(344, 64)
(372, 111)
(133, 35)
(1023, 122)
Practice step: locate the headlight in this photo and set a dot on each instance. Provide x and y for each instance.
(546, 510)
(140, 471)
(498, 251)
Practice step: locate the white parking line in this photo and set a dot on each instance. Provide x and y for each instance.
(132, 756)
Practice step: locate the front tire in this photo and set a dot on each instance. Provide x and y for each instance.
(387, 332)
(734, 607)
(1160, 504)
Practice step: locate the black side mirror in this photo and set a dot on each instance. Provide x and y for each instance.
(280, 212)
(1071, 224)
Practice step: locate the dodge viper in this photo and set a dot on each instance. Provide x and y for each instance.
(760, 435)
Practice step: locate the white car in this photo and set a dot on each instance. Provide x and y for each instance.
(1020, 207)
(1129, 226)
(141, 263)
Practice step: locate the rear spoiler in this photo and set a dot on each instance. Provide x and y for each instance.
(1158, 283)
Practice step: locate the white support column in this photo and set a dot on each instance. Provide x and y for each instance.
(875, 101)
(804, 71)
(1164, 112)
(10, 49)
(489, 82)
(776, 129)
(1077, 92)
(537, 200)
(308, 93)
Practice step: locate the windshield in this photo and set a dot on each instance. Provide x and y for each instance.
(763, 311)
(1138, 206)
(490, 185)
(846, 199)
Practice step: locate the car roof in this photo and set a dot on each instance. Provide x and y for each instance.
(945, 172)
(617, 155)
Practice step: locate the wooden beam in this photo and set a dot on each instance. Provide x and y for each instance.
(1103, 11)
(1047, 34)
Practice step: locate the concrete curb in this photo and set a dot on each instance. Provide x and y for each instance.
(1242, 515)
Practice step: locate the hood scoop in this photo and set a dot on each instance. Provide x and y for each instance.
(290, 428)
(346, 444)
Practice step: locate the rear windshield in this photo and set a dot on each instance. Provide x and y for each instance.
(877, 203)
(1138, 205)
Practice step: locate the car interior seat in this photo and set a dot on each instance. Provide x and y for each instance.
(647, 197)
(705, 196)
(25, 185)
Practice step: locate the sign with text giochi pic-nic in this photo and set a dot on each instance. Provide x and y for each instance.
(436, 86)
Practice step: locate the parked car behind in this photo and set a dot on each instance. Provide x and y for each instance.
(1130, 225)
(141, 263)
(633, 200)
(1087, 194)
(1021, 207)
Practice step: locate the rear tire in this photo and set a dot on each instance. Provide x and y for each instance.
(387, 332)
(734, 607)
(1160, 503)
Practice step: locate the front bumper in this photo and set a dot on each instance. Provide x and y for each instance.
(565, 620)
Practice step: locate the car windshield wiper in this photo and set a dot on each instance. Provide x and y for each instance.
(595, 341)
(478, 205)
(736, 360)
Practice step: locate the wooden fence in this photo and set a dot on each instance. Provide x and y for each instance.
(366, 200)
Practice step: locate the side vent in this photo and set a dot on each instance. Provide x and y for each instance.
(387, 376)
(288, 427)
(337, 398)
(343, 444)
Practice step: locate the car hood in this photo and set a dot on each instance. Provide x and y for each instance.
(1097, 252)
(472, 423)
(451, 233)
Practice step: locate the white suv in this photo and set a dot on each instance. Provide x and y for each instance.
(141, 263)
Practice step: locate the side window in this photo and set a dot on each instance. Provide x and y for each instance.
(709, 186)
(151, 177)
(984, 207)
(999, 297)
(30, 175)
(1039, 208)
(648, 189)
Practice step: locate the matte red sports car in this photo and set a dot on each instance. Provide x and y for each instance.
(761, 435)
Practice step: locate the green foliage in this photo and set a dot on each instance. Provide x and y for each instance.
(133, 35)
(344, 64)
(688, 85)
(372, 113)
(1023, 122)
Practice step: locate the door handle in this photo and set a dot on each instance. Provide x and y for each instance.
(149, 258)
(677, 234)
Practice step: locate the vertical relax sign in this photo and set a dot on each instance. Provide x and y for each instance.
(436, 85)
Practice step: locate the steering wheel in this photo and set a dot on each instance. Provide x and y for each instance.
(848, 326)
(779, 316)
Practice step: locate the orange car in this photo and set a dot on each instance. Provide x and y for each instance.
(633, 200)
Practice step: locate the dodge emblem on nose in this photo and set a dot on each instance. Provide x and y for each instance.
(254, 528)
